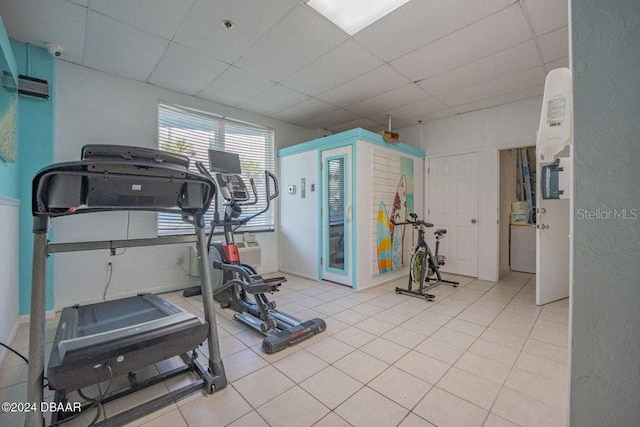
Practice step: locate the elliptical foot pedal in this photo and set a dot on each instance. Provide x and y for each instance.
(275, 282)
(293, 335)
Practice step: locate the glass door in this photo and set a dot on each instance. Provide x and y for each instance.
(336, 215)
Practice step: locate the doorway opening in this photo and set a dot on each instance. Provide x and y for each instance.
(517, 233)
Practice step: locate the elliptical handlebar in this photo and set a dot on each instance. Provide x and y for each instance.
(270, 197)
(255, 193)
(268, 178)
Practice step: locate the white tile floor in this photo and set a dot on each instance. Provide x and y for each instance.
(482, 354)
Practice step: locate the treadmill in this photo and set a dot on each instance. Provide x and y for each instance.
(98, 342)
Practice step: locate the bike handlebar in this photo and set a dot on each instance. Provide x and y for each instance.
(417, 222)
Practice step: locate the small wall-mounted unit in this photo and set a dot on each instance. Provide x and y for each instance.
(250, 253)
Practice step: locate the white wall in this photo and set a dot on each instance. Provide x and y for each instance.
(9, 214)
(485, 132)
(97, 108)
(299, 227)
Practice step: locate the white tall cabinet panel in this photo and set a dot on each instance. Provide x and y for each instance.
(299, 220)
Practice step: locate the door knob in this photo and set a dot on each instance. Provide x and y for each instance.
(473, 221)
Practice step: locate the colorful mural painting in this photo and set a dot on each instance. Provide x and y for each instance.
(391, 245)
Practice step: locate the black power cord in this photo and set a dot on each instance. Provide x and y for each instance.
(14, 351)
(21, 357)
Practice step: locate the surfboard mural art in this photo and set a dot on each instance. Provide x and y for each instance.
(398, 214)
(391, 241)
(384, 244)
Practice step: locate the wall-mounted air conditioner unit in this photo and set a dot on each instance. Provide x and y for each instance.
(250, 253)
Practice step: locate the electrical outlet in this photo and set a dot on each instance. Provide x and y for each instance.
(180, 259)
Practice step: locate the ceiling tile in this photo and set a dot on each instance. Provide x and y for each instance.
(340, 65)
(171, 72)
(508, 61)
(425, 118)
(555, 44)
(547, 15)
(304, 111)
(298, 39)
(389, 100)
(415, 109)
(120, 49)
(272, 100)
(325, 121)
(202, 29)
(159, 17)
(375, 82)
(425, 21)
(56, 21)
(558, 63)
(363, 123)
(500, 31)
(502, 86)
(502, 99)
(471, 54)
(235, 86)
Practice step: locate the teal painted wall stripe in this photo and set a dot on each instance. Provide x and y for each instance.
(354, 216)
(349, 136)
(35, 151)
(5, 44)
(320, 226)
(345, 270)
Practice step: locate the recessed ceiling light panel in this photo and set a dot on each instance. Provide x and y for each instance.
(354, 15)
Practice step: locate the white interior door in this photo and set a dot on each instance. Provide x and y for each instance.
(552, 243)
(554, 182)
(453, 205)
(336, 216)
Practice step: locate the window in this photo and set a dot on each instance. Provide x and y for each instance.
(192, 133)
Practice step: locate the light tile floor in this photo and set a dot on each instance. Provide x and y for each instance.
(481, 354)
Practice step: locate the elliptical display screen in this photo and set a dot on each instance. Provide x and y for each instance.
(221, 161)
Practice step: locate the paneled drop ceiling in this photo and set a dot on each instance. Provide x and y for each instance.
(425, 61)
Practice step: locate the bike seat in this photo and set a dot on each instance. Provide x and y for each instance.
(425, 224)
(439, 232)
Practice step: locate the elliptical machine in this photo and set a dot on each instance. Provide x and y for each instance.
(234, 281)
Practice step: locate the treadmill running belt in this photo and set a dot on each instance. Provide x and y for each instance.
(126, 334)
(98, 318)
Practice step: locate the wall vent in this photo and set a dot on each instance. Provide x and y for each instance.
(33, 87)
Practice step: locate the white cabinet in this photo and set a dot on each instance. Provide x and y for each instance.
(523, 248)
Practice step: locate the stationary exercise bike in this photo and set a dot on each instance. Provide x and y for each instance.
(424, 265)
(233, 281)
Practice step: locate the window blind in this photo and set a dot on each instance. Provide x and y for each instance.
(192, 133)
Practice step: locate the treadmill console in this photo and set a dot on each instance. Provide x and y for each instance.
(232, 187)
